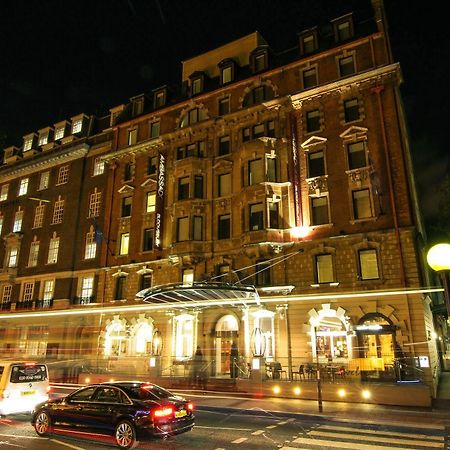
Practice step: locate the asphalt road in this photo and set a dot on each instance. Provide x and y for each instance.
(248, 424)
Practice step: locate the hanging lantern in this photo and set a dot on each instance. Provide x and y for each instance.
(258, 343)
(156, 343)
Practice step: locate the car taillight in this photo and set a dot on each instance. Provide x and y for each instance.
(163, 411)
(190, 406)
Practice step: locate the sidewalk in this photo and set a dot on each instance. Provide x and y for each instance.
(443, 396)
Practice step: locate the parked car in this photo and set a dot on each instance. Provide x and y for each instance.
(128, 410)
(23, 385)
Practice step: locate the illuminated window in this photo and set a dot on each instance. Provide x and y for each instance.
(27, 144)
(59, 133)
(124, 243)
(58, 211)
(319, 210)
(39, 216)
(77, 125)
(132, 136)
(90, 245)
(362, 207)
(188, 277)
(99, 167)
(4, 193)
(150, 205)
(143, 337)
(368, 264)
(87, 289)
(184, 336)
(264, 321)
(324, 268)
(1, 223)
(226, 74)
(255, 172)
(182, 229)
(23, 186)
(44, 180)
(34, 254)
(47, 292)
(63, 175)
(192, 117)
(224, 184)
(43, 139)
(28, 290)
(197, 85)
(308, 42)
(12, 257)
(95, 202)
(53, 250)
(18, 218)
(6, 294)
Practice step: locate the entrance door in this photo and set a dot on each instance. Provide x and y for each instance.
(226, 334)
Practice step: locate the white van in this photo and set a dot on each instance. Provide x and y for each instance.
(22, 386)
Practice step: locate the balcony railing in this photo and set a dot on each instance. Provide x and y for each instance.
(27, 304)
(44, 303)
(6, 306)
(82, 300)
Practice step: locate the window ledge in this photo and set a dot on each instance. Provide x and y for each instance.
(367, 219)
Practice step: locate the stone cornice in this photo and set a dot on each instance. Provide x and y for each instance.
(145, 146)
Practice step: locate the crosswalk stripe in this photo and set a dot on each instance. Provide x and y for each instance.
(239, 441)
(341, 444)
(359, 437)
(390, 433)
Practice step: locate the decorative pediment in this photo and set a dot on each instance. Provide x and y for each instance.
(126, 188)
(223, 164)
(313, 141)
(354, 133)
(150, 181)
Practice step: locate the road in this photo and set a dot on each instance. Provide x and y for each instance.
(227, 428)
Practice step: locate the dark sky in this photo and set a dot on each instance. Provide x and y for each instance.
(61, 58)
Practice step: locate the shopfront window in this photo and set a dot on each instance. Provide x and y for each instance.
(331, 339)
(184, 336)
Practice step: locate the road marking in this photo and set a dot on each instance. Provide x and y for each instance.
(223, 428)
(67, 445)
(258, 432)
(271, 426)
(239, 441)
(18, 436)
(390, 433)
(284, 422)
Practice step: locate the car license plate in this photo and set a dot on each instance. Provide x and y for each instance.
(28, 392)
(180, 413)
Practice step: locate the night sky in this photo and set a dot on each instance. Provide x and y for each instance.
(61, 58)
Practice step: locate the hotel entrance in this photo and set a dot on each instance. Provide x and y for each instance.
(226, 333)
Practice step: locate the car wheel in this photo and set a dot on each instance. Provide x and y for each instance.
(125, 435)
(42, 423)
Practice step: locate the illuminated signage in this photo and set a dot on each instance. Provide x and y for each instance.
(296, 173)
(159, 207)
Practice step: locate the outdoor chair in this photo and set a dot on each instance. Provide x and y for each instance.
(300, 373)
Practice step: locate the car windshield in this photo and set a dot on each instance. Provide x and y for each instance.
(148, 392)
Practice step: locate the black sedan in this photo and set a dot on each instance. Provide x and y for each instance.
(128, 410)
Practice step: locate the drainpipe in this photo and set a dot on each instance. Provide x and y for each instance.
(378, 90)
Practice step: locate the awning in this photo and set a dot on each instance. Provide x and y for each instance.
(201, 294)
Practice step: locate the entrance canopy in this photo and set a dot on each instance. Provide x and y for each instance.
(200, 294)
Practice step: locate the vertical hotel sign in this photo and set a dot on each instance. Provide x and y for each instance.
(296, 174)
(159, 207)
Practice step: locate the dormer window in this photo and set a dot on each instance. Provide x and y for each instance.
(27, 143)
(197, 86)
(43, 139)
(159, 98)
(77, 126)
(259, 60)
(343, 28)
(61, 129)
(308, 42)
(227, 70)
(137, 105)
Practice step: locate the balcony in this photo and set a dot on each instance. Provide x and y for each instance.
(5, 306)
(82, 300)
(43, 304)
(27, 304)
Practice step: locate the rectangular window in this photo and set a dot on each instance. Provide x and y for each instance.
(126, 207)
(198, 186)
(4, 193)
(120, 288)
(227, 74)
(99, 167)
(368, 262)
(312, 121)
(28, 290)
(12, 257)
(44, 181)
(188, 280)
(362, 208)
(27, 144)
(147, 243)
(246, 134)
(53, 250)
(344, 31)
(95, 203)
(258, 130)
(124, 243)
(182, 229)
(262, 273)
(58, 212)
(146, 281)
(132, 136)
(197, 232)
(224, 145)
(270, 129)
(34, 253)
(6, 294)
(319, 210)
(59, 133)
(43, 139)
(150, 204)
(256, 217)
(193, 116)
(152, 164)
(18, 218)
(181, 153)
(351, 110)
(308, 43)
(196, 86)
(90, 246)
(63, 175)
(356, 155)
(224, 184)
(159, 99)
(271, 170)
(154, 130)
(183, 188)
(274, 215)
(128, 172)
(224, 106)
(324, 268)
(346, 66)
(23, 186)
(77, 126)
(255, 172)
(309, 78)
(224, 226)
(316, 164)
(47, 293)
(87, 288)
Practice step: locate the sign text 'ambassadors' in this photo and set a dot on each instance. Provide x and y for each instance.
(159, 207)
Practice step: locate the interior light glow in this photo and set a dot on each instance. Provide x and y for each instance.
(365, 394)
(300, 232)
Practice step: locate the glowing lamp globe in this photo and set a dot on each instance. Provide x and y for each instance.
(438, 257)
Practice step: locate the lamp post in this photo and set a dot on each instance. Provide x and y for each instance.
(258, 345)
(319, 381)
(438, 258)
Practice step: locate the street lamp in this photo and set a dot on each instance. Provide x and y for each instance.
(438, 258)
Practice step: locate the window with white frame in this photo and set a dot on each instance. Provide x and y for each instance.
(87, 288)
(53, 250)
(90, 245)
(124, 243)
(95, 202)
(47, 292)
(4, 193)
(99, 167)
(34, 254)
(18, 219)
(63, 175)
(77, 125)
(28, 289)
(44, 179)
(43, 138)
(39, 216)
(150, 204)
(27, 144)
(6, 294)
(184, 336)
(59, 133)
(58, 211)
(368, 264)
(12, 256)
(324, 268)
(23, 186)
